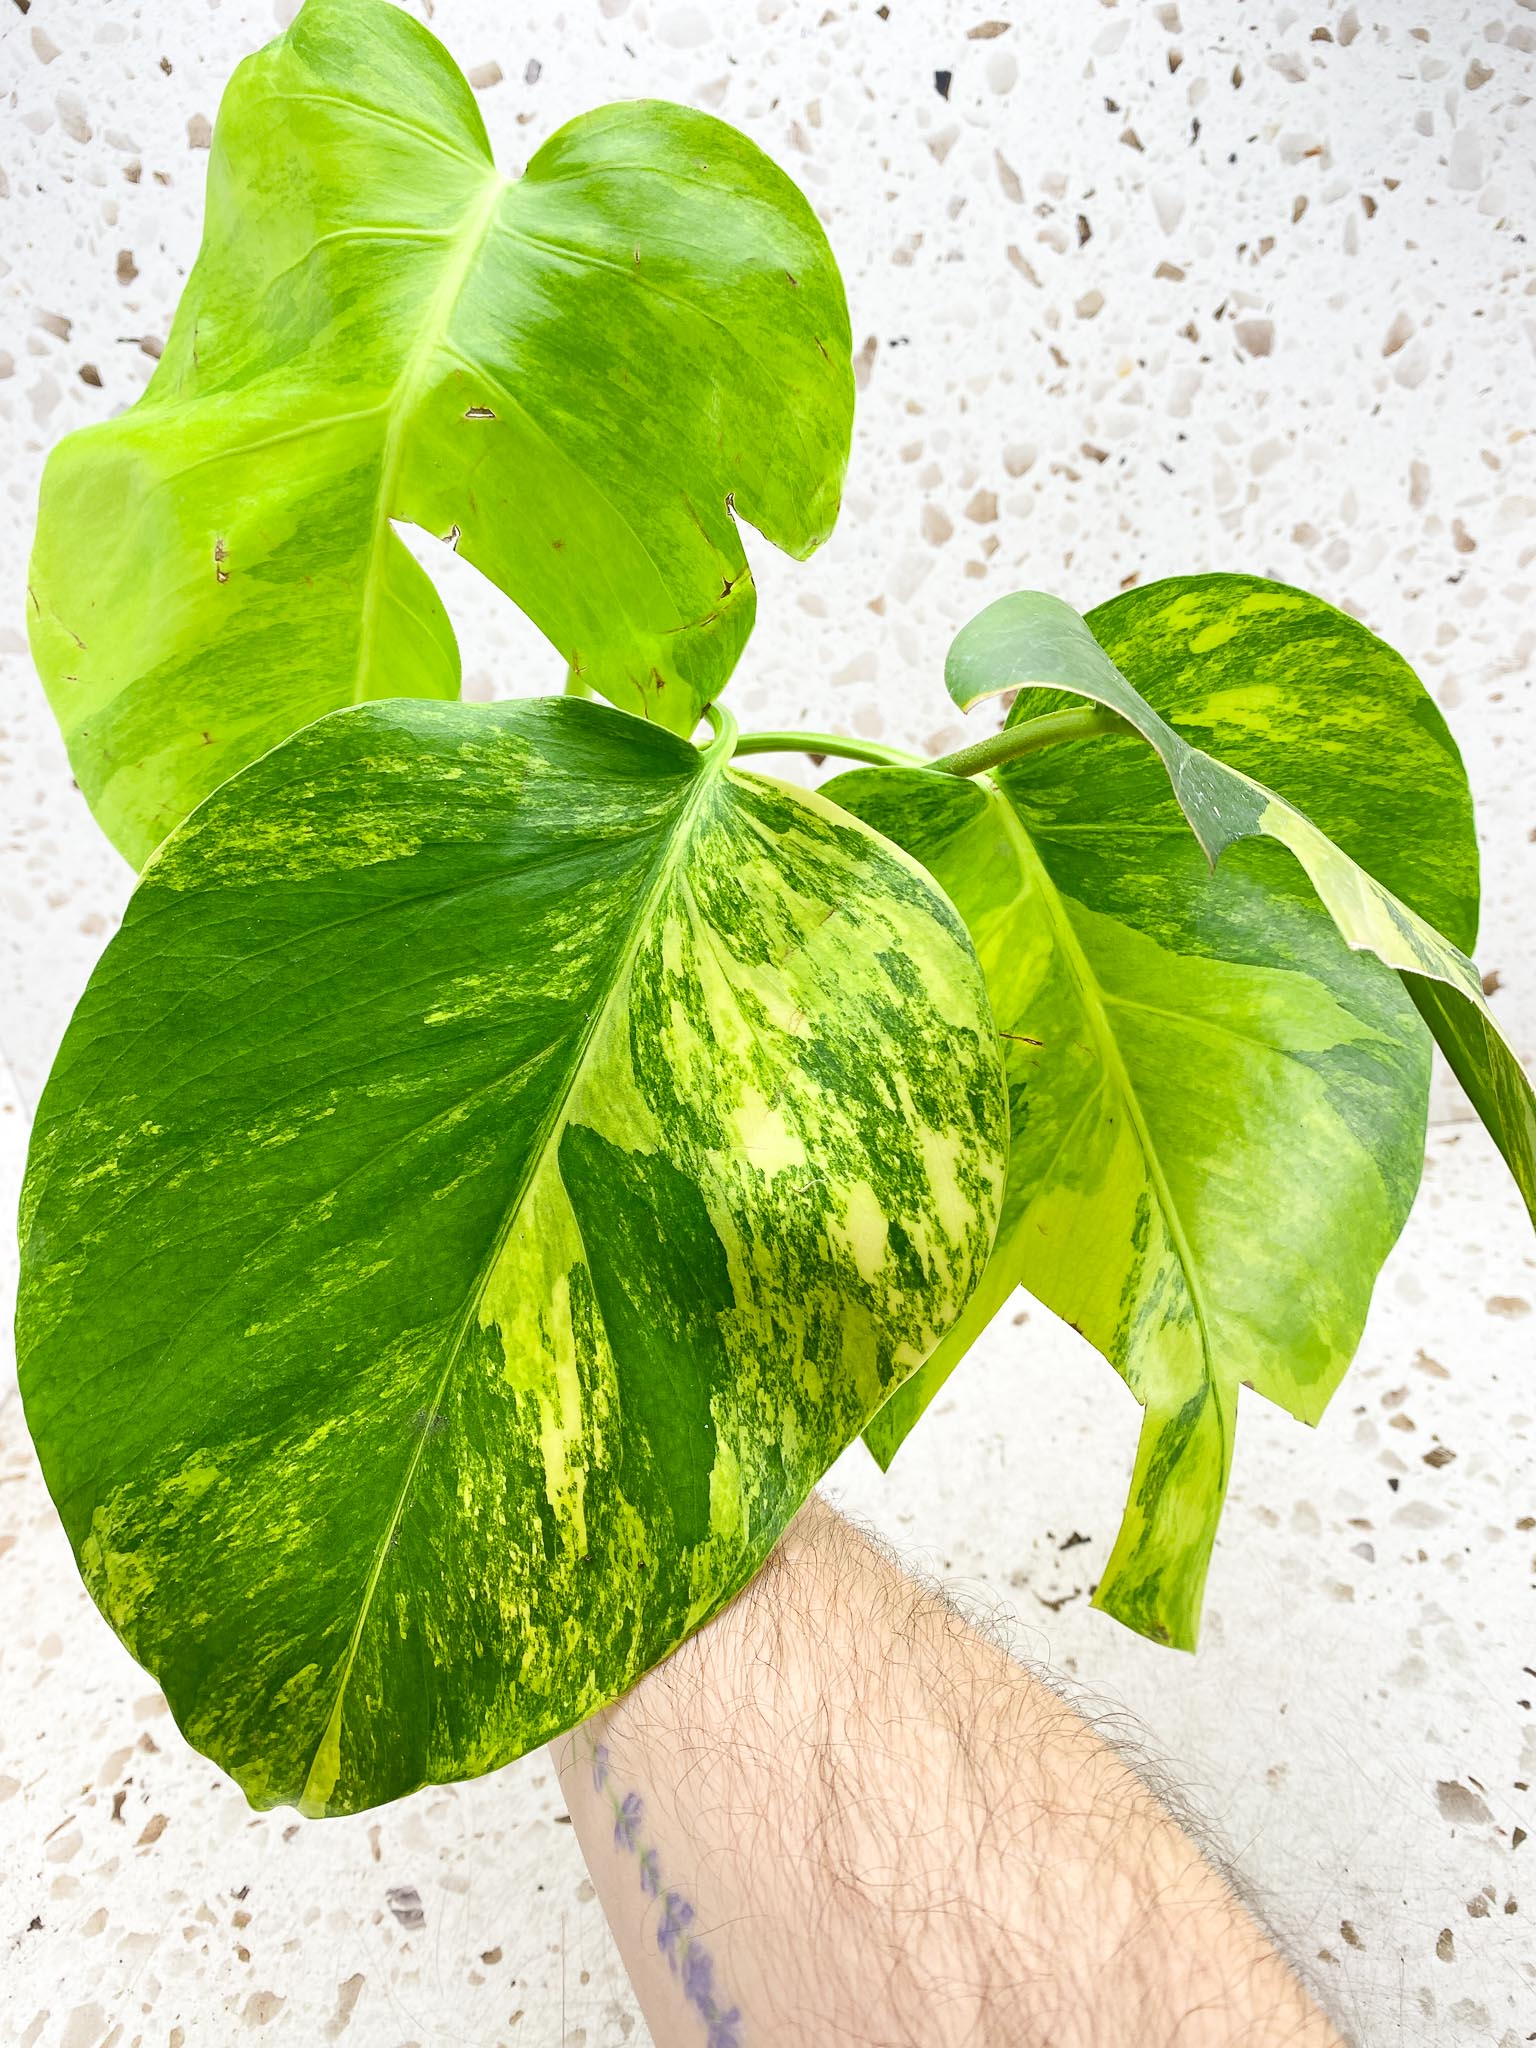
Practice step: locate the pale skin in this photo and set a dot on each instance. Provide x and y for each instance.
(839, 1817)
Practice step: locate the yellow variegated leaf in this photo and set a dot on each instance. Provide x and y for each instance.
(503, 1158)
(1217, 1106)
(1217, 1123)
(1037, 644)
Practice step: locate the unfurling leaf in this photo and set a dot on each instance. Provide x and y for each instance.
(574, 376)
(503, 1158)
(1217, 1106)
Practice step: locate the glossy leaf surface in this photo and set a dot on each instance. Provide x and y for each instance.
(502, 1159)
(572, 376)
(1231, 626)
(1248, 1095)
(1217, 1125)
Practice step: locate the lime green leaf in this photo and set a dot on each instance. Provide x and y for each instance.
(1032, 641)
(573, 377)
(1217, 1119)
(467, 1215)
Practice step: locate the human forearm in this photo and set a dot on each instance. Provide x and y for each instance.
(840, 1815)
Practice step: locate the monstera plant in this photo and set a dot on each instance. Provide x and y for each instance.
(510, 1150)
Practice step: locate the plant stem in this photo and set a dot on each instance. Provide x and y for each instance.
(1055, 729)
(722, 728)
(826, 743)
(575, 687)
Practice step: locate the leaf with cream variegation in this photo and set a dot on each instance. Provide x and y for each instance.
(1217, 1105)
(1217, 1123)
(503, 1158)
(1033, 643)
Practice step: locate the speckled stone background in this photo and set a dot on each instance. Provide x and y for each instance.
(1136, 289)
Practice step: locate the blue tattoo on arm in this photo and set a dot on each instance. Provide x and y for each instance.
(690, 1962)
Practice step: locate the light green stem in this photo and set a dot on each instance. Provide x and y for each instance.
(1054, 730)
(575, 687)
(826, 743)
(722, 728)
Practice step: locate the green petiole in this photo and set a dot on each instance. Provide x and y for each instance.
(1055, 729)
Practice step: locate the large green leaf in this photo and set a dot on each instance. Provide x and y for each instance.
(502, 1159)
(574, 376)
(1217, 1136)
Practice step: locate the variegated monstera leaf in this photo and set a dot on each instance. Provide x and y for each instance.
(574, 377)
(1217, 1087)
(503, 1158)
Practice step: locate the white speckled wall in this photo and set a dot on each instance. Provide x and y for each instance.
(1136, 289)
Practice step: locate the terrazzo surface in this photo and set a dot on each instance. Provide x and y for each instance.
(1136, 289)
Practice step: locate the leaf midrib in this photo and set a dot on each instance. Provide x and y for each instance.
(1094, 999)
(401, 402)
(663, 870)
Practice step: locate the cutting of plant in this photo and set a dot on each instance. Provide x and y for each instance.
(510, 1150)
